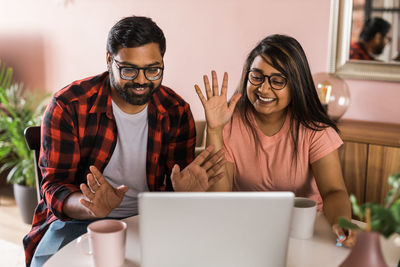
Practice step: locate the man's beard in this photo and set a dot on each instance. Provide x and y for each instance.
(127, 94)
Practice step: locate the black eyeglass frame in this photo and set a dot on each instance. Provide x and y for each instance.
(120, 68)
(269, 79)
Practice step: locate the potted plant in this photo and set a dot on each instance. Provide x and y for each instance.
(379, 220)
(18, 110)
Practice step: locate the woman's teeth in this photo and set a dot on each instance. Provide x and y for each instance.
(266, 99)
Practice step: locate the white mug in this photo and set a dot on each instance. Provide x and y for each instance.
(107, 241)
(303, 218)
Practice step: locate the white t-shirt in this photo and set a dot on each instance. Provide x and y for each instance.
(127, 165)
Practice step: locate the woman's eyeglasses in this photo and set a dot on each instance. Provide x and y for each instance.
(276, 81)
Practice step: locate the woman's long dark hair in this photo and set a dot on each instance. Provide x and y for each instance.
(286, 55)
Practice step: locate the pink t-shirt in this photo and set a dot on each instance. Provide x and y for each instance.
(272, 169)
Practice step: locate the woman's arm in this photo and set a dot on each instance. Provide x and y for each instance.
(215, 138)
(328, 175)
(218, 113)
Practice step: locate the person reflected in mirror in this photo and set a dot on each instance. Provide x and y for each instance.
(109, 137)
(397, 58)
(275, 131)
(373, 38)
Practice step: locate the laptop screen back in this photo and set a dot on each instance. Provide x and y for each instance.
(219, 229)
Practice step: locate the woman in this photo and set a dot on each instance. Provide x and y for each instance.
(275, 131)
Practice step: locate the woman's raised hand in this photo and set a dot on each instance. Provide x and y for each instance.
(216, 107)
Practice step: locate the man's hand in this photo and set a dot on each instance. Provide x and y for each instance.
(202, 173)
(100, 197)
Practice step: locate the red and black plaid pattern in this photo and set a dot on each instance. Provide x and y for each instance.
(358, 52)
(79, 130)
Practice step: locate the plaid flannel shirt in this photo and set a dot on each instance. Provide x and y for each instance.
(79, 130)
(358, 51)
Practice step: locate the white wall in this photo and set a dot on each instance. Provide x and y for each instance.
(201, 35)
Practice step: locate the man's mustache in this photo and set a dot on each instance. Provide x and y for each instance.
(137, 85)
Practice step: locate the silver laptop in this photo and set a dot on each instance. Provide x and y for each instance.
(222, 229)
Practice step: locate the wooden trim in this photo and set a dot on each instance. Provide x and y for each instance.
(377, 133)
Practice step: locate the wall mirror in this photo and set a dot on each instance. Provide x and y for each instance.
(347, 17)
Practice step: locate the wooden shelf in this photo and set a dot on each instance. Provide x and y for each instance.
(387, 134)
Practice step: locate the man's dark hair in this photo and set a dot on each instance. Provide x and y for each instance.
(373, 26)
(134, 31)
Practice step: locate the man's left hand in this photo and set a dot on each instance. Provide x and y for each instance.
(201, 174)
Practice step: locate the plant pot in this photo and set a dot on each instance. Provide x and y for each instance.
(26, 198)
(366, 252)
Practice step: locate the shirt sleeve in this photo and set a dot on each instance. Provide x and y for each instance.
(59, 157)
(323, 142)
(183, 140)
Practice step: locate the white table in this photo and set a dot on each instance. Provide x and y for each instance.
(317, 251)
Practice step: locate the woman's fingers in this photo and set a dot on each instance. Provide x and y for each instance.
(207, 87)
(215, 83)
(224, 88)
(213, 89)
(347, 239)
(234, 101)
(350, 240)
(200, 94)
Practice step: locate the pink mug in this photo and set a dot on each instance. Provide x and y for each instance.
(107, 241)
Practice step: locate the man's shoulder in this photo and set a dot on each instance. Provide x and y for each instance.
(81, 89)
(168, 98)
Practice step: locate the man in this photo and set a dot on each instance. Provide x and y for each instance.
(109, 137)
(372, 41)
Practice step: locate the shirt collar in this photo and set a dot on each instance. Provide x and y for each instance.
(103, 102)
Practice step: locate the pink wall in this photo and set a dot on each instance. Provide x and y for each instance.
(201, 35)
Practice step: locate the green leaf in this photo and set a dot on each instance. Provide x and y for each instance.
(395, 210)
(18, 110)
(344, 223)
(356, 209)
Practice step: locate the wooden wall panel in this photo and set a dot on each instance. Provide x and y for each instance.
(382, 161)
(353, 158)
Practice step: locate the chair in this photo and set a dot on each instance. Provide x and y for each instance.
(32, 138)
(200, 136)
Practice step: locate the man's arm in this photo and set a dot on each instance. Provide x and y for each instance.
(59, 158)
(68, 191)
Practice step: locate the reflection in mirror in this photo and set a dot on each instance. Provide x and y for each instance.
(347, 20)
(375, 30)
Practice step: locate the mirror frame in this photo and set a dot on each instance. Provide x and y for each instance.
(339, 63)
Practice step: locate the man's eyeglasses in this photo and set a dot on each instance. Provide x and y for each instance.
(276, 81)
(130, 73)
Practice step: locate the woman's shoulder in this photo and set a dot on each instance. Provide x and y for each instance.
(319, 132)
